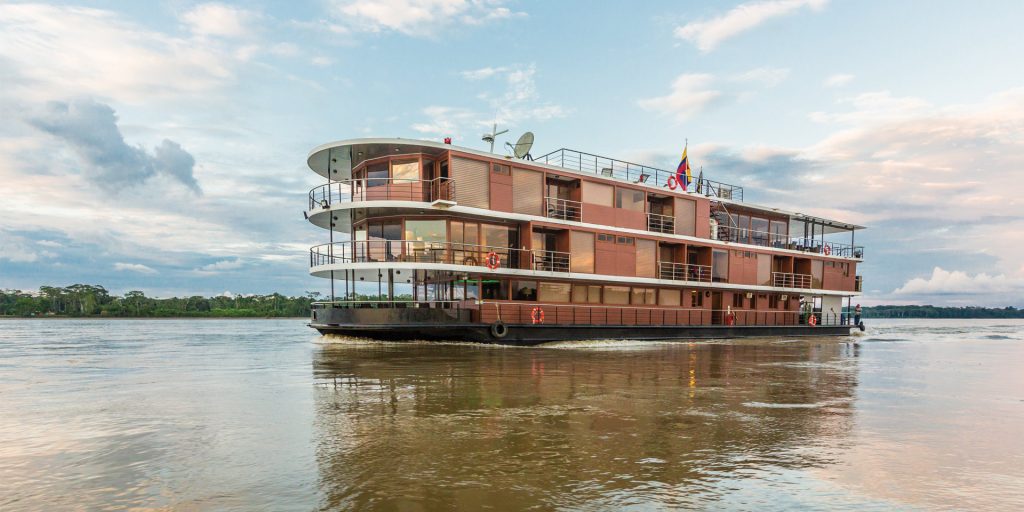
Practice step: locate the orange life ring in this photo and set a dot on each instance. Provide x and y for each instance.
(493, 260)
(537, 315)
(827, 249)
(812, 321)
(672, 182)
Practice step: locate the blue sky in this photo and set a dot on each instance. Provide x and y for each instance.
(160, 145)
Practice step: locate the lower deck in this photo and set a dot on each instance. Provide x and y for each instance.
(528, 324)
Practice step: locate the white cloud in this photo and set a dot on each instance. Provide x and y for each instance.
(285, 49)
(710, 33)
(944, 282)
(417, 17)
(768, 76)
(482, 73)
(215, 19)
(321, 62)
(133, 267)
(690, 95)
(16, 249)
(55, 52)
(838, 80)
(223, 265)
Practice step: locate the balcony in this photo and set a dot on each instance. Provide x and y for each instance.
(634, 173)
(684, 272)
(786, 280)
(661, 223)
(564, 209)
(415, 251)
(381, 189)
(784, 241)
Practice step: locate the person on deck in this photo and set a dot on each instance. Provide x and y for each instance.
(856, 315)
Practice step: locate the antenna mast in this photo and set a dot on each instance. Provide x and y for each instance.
(489, 137)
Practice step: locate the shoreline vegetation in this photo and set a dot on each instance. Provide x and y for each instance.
(93, 301)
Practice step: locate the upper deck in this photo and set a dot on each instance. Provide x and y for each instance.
(734, 220)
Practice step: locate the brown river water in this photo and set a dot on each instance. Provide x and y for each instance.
(266, 415)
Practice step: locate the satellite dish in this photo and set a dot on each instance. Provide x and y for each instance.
(522, 147)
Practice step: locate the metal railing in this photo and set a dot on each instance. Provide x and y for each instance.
(454, 253)
(788, 280)
(628, 315)
(635, 173)
(381, 189)
(550, 261)
(661, 223)
(784, 241)
(684, 272)
(565, 209)
(389, 304)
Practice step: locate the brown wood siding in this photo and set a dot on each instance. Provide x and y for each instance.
(472, 182)
(686, 216)
(528, 190)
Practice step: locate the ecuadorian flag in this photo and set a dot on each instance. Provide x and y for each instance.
(683, 175)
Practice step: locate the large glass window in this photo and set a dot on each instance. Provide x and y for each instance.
(553, 292)
(524, 290)
(494, 289)
(616, 295)
(642, 296)
(582, 259)
(597, 193)
(719, 265)
(759, 231)
(405, 170)
(629, 199)
(779, 232)
(669, 297)
(377, 175)
(426, 230)
(586, 294)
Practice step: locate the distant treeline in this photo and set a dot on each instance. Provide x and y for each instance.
(941, 312)
(82, 300)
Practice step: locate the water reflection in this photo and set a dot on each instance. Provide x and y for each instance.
(439, 427)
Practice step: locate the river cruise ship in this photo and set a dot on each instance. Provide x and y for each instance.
(430, 241)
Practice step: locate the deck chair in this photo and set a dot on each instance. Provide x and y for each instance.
(606, 172)
(643, 178)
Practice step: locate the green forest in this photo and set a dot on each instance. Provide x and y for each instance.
(83, 300)
(941, 312)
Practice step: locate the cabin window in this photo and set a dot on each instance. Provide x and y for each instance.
(696, 299)
(494, 289)
(377, 175)
(554, 292)
(503, 170)
(605, 237)
(737, 301)
(405, 170)
(524, 290)
(616, 295)
(759, 231)
(773, 301)
(668, 297)
(597, 193)
(642, 296)
(426, 230)
(719, 265)
(586, 294)
(624, 240)
(779, 233)
(497, 236)
(629, 199)
(582, 258)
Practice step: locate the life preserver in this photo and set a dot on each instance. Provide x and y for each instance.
(537, 315)
(672, 182)
(499, 329)
(493, 260)
(827, 250)
(812, 321)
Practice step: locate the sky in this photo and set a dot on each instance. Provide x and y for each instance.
(160, 146)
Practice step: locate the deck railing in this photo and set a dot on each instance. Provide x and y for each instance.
(415, 251)
(684, 272)
(784, 241)
(381, 189)
(788, 280)
(565, 209)
(661, 223)
(634, 173)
